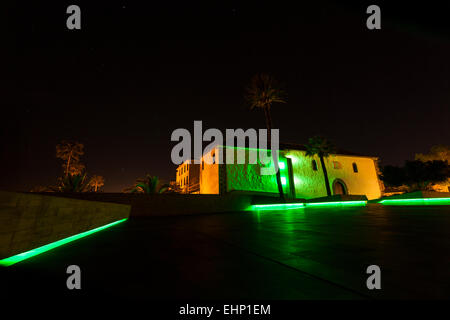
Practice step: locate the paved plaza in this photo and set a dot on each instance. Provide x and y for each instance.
(319, 253)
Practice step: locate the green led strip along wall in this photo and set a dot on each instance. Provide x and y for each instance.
(416, 202)
(285, 206)
(28, 254)
(337, 204)
(277, 206)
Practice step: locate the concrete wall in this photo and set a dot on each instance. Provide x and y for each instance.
(28, 221)
(170, 204)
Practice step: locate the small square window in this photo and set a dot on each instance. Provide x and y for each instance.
(337, 165)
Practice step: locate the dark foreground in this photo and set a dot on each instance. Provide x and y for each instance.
(301, 254)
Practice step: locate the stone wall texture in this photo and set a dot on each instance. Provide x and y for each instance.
(28, 221)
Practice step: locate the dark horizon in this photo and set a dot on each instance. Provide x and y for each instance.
(133, 74)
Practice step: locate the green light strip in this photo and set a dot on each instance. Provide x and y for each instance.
(416, 202)
(336, 203)
(284, 206)
(277, 206)
(28, 254)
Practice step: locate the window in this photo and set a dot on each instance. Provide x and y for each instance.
(314, 165)
(213, 158)
(355, 167)
(203, 164)
(337, 165)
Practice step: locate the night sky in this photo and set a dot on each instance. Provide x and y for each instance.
(136, 72)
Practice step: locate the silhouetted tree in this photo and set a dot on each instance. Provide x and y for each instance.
(393, 176)
(262, 93)
(70, 153)
(321, 147)
(148, 184)
(96, 182)
(421, 175)
(73, 183)
(417, 175)
(439, 152)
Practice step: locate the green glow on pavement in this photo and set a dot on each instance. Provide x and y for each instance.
(31, 253)
(416, 202)
(336, 203)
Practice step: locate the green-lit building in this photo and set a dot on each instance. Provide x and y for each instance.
(301, 176)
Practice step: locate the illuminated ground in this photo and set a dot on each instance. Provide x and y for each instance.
(317, 253)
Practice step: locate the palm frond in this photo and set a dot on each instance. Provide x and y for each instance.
(264, 91)
(319, 146)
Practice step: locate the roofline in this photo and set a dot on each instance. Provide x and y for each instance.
(298, 147)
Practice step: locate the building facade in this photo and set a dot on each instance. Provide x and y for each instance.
(187, 177)
(301, 176)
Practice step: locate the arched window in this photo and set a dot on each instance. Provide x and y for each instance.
(355, 167)
(314, 165)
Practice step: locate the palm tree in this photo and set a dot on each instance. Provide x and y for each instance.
(148, 184)
(97, 182)
(262, 93)
(73, 183)
(321, 147)
(71, 153)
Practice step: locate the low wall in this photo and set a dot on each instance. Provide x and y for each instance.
(28, 221)
(170, 204)
(158, 205)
